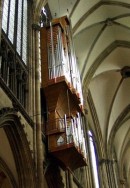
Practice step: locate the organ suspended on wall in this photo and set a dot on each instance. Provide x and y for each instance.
(62, 88)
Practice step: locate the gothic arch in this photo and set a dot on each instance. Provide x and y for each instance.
(7, 172)
(13, 128)
(116, 126)
(99, 140)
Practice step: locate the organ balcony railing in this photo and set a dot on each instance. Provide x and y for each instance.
(66, 135)
(63, 93)
(69, 131)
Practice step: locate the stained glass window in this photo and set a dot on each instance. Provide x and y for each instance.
(5, 15)
(14, 24)
(93, 159)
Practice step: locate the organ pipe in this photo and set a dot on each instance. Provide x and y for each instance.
(74, 132)
(52, 48)
(61, 57)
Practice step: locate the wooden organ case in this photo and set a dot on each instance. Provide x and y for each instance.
(62, 88)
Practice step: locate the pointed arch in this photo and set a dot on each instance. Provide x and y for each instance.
(13, 128)
(116, 126)
(8, 173)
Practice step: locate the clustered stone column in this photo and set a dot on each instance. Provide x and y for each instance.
(103, 174)
(107, 175)
(39, 144)
(89, 183)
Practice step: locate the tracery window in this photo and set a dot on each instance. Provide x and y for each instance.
(13, 71)
(14, 24)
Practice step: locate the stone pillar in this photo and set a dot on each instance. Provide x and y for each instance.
(85, 179)
(103, 174)
(39, 143)
(113, 174)
(89, 177)
(33, 111)
(116, 173)
(67, 179)
(70, 177)
(107, 174)
(63, 175)
(32, 81)
(31, 66)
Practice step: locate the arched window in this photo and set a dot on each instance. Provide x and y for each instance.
(14, 24)
(93, 160)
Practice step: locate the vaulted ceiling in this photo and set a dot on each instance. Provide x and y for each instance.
(101, 33)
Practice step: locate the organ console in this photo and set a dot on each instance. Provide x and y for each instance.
(62, 88)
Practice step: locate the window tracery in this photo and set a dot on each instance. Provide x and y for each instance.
(14, 25)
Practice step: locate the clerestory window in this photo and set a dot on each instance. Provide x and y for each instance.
(93, 159)
(14, 24)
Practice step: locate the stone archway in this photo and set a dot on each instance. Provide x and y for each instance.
(6, 176)
(4, 181)
(13, 128)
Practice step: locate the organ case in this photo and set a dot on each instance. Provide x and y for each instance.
(62, 88)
